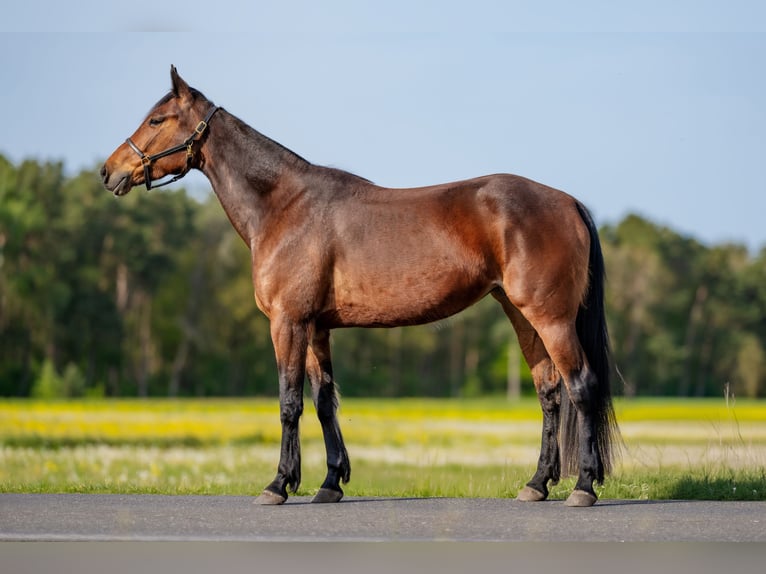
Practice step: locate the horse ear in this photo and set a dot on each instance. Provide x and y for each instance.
(180, 87)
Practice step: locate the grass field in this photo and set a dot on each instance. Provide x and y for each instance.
(699, 449)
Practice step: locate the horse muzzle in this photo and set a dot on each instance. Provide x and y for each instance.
(119, 183)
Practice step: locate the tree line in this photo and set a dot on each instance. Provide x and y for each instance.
(150, 295)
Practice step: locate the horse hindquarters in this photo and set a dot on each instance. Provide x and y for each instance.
(588, 425)
(556, 284)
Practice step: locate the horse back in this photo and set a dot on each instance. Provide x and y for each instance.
(390, 257)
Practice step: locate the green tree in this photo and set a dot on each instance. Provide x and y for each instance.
(32, 295)
(685, 319)
(151, 294)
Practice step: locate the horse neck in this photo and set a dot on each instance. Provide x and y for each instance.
(245, 168)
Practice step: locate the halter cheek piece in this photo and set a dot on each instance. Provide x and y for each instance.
(148, 160)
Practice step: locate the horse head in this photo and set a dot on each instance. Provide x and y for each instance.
(163, 144)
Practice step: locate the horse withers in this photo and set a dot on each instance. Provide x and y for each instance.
(330, 250)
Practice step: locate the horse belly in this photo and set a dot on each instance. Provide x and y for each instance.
(403, 294)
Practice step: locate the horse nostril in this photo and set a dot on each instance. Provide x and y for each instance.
(103, 172)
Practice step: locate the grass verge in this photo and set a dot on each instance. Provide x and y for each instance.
(483, 448)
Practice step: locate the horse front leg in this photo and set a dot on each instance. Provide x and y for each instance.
(290, 344)
(319, 368)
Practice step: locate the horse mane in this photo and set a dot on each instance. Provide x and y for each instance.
(340, 174)
(329, 172)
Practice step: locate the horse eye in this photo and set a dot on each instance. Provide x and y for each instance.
(156, 121)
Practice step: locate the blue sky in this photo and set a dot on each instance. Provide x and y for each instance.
(651, 107)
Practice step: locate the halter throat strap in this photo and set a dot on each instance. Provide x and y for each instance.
(148, 160)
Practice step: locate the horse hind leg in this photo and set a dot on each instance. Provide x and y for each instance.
(319, 369)
(547, 384)
(582, 390)
(578, 439)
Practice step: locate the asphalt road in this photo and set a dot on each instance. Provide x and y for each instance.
(75, 517)
(201, 534)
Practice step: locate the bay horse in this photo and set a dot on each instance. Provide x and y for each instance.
(330, 250)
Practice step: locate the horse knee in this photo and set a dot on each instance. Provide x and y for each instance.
(326, 402)
(326, 411)
(290, 412)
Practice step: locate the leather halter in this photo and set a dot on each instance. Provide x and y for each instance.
(148, 160)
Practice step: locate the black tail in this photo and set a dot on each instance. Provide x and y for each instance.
(594, 339)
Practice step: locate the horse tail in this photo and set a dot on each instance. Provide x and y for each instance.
(594, 338)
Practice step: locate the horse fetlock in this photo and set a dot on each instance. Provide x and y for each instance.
(345, 472)
(294, 480)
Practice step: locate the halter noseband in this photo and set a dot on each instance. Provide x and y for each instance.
(148, 160)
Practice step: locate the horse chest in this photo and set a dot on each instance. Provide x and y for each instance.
(288, 284)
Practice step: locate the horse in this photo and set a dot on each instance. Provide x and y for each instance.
(331, 250)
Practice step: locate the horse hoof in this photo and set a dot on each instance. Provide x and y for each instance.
(327, 495)
(581, 498)
(268, 498)
(529, 494)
